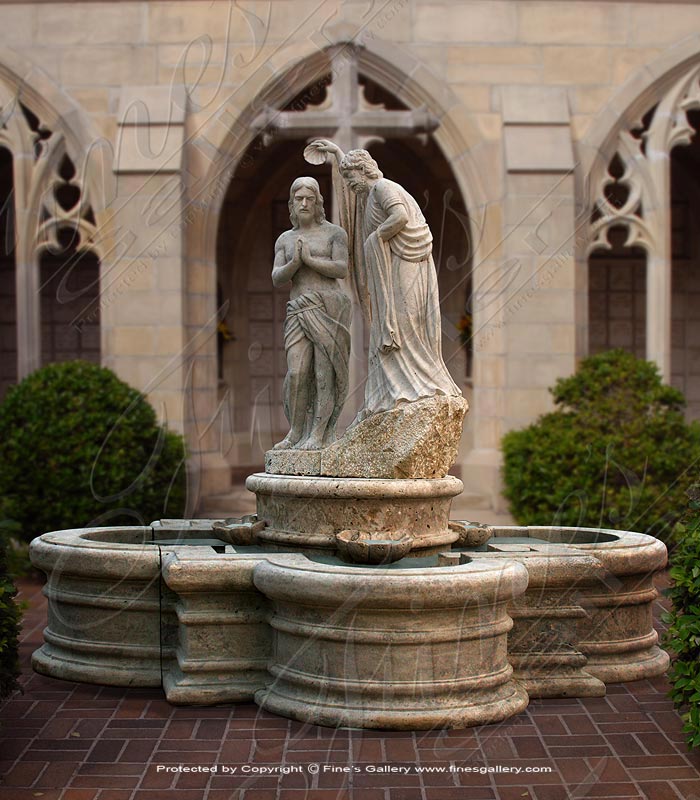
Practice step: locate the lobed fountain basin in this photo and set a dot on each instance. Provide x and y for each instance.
(585, 619)
(454, 638)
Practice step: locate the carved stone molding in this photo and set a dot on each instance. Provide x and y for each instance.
(634, 185)
(632, 191)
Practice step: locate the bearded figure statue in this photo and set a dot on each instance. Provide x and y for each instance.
(394, 276)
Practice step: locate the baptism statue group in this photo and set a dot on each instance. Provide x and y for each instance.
(384, 248)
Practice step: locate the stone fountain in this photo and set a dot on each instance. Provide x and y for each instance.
(350, 598)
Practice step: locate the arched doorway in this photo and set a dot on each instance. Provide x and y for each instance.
(251, 353)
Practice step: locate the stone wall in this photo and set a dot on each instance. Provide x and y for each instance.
(525, 92)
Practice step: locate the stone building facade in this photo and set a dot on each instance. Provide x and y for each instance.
(146, 150)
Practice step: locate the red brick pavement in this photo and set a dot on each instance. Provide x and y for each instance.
(67, 741)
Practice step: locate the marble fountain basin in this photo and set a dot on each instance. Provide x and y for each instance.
(454, 638)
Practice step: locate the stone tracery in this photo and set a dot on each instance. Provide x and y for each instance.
(49, 199)
(632, 190)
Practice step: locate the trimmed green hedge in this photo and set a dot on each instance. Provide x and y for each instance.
(9, 630)
(683, 634)
(80, 446)
(615, 453)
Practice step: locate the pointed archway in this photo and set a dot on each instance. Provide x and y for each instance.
(641, 243)
(251, 353)
(50, 204)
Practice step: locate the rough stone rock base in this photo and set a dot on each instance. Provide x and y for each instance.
(413, 440)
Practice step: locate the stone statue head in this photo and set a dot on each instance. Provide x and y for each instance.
(303, 187)
(358, 165)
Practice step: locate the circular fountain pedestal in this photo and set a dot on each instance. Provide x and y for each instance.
(104, 606)
(308, 512)
(391, 648)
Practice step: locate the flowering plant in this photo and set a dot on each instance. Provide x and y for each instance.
(464, 326)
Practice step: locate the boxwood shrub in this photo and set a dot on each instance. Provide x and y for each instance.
(9, 630)
(616, 452)
(683, 635)
(80, 446)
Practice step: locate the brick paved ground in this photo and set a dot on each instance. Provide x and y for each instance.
(65, 741)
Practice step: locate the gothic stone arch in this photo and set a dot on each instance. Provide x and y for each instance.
(226, 137)
(50, 141)
(627, 156)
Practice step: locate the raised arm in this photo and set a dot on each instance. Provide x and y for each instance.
(282, 270)
(324, 146)
(334, 267)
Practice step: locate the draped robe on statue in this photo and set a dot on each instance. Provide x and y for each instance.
(399, 280)
(324, 319)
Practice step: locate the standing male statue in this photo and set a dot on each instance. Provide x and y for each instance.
(313, 255)
(394, 274)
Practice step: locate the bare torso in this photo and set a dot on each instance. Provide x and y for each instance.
(314, 257)
(324, 241)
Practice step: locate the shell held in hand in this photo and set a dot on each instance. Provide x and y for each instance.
(313, 155)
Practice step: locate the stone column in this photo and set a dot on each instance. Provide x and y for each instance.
(27, 275)
(659, 266)
(538, 278)
(27, 290)
(524, 286)
(159, 325)
(142, 280)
